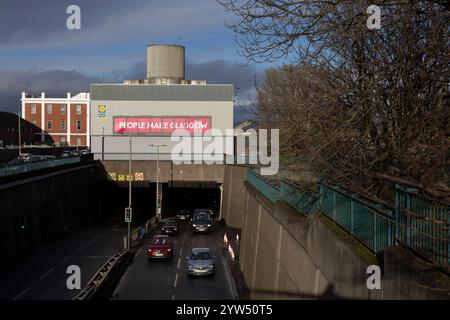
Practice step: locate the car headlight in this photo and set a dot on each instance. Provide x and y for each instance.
(209, 225)
(190, 266)
(175, 228)
(211, 266)
(169, 249)
(194, 225)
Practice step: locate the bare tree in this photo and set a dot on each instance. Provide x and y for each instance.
(370, 107)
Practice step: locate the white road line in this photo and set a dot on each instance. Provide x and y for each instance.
(80, 248)
(91, 241)
(179, 261)
(47, 273)
(181, 252)
(173, 296)
(64, 260)
(22, 293)
(176, 280)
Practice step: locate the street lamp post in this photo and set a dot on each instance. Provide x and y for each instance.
(129, 194)
(158, 201)
(20, 136)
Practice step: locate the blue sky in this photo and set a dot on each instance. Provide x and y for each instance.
(38, 53)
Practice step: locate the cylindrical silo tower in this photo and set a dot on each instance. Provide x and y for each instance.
(165, 64)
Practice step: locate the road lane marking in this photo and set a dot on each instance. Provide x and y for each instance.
(80, 248)
(176, 279)
(181, 252)
(173, 296)
(64, 260)
(22, 293)
(47, 273)
(91, 241)
(179, 261)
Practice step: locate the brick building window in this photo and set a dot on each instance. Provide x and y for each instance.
(62, 109)
(78, 141)
(33, 108)
(62, 125)
(49, 109)
(49, 124)
(78, 108)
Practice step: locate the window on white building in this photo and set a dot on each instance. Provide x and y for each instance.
(78, 141)
(78, 108)
(62, 109)
(62, 125)
(49, 124)
(49, 109)
(33, 108)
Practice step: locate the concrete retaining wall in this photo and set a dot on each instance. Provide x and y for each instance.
(285, 255)
(52, 206)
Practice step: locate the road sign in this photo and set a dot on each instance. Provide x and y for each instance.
(128, 215)
(139, 176)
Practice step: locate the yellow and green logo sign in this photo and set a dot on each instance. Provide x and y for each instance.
(101, 111)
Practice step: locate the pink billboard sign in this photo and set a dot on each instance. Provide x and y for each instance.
(164, 125)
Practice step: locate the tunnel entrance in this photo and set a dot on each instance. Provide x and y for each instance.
(176, 195)
(190, 195)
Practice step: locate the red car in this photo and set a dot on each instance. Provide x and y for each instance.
(160, 247)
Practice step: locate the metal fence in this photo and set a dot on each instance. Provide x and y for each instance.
(424, 224)
(419, 222)
(8, 171)
(270, 191)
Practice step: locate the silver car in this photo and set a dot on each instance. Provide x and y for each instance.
(201, 262)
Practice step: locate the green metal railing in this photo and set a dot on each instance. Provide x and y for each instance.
(371, 223)
(270, 191)
(424, 224)
(8, 171)
(419, 222)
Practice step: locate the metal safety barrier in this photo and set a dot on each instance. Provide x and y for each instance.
(93, 285)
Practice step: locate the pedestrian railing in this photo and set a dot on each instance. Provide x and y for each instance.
(424, 224)
(23, 168)
(417, 221)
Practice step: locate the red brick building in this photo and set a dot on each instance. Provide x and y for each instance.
(65, 120)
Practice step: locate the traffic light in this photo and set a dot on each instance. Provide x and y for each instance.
(128, 214)
(23, 222)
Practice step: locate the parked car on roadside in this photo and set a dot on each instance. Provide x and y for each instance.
(66, 154)
(160, 246)
(201, 262)
(84, 152)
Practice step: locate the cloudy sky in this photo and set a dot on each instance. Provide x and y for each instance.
(38, 52)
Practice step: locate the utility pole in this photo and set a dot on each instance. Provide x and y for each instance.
(158, 200)
(129, 195)
(20, 136)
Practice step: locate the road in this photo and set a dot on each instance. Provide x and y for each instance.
(43, 275)
(167, 280)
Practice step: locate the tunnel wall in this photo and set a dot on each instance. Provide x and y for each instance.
(285, 255)
(53, 206)
(234, 195)
(168, 171)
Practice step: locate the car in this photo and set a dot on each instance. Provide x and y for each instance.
(201, 262)
(84, 152)
(184, 215)
(48, 157)
(169, 227)
(160, 247)
(201, 221)
(75, 153)
(66, 154)
(24, 157)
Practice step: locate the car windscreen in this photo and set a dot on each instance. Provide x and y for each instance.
(201, 255)
(160, 241)
(170, 224)
(202, 216)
